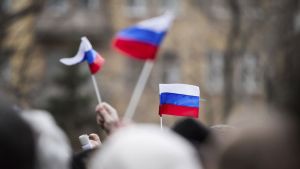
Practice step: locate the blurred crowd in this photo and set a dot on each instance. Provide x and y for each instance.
(31, 139)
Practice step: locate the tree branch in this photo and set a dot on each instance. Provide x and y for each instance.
(30, 9)
(229, 57)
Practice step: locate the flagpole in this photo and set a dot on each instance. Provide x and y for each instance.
(161, 123)
(138, 90)
(96, 88)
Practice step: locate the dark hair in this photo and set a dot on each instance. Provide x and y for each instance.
(202, 138)
(80, 160)
(17, 148)
(192, 130)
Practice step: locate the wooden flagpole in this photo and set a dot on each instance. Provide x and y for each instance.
(96, 89)
(138, 90)
(161, 123)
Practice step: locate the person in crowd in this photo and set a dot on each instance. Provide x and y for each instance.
(107, 118)
(95, 140)
(17, 143)
(80, 160)
(53, 150)
(224, 134)
(271, 146)
(192, 130)
(208, 142)
(145, 146)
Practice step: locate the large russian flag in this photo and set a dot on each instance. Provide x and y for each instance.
(86, 53)
(179, 100)
(142, 40)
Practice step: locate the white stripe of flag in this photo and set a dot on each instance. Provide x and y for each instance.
(184, 89)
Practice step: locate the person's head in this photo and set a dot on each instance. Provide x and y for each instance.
(147, 147)
(192, 130)
(264, 148)
(17, 144)
(224, 134)
(53, 149)
(208, 141)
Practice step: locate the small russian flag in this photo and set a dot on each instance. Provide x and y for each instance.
(86, 53)
(142, 40)
(179, 100)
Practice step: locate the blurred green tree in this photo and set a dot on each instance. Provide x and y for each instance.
(71, 107)
(70, 102)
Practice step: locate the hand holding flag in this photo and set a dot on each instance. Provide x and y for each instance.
(142, 41)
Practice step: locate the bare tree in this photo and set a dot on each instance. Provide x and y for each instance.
(229, 56)
(8, 18)
(283, 79)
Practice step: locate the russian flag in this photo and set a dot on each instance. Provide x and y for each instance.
(86, 53)
(179, 100)
(142, 40)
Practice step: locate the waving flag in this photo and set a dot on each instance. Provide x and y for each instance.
(142, 40)
(86, 53)
(179, 100)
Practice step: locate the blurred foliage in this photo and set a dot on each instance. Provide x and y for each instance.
(71, 108)
(70, 102)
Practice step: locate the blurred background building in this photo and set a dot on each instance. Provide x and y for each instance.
(225, 47)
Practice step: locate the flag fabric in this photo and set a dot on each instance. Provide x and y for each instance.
(179, 100)
(86, 53)
(142, 40)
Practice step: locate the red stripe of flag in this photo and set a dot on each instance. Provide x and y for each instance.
(171, 109)
(137, 50)
(97, 64)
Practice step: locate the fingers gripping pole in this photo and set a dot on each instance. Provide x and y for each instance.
(138, 90)
(96, 89)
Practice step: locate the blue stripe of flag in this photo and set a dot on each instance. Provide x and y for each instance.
(90, 56)
(142, 35)
(179, 99)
